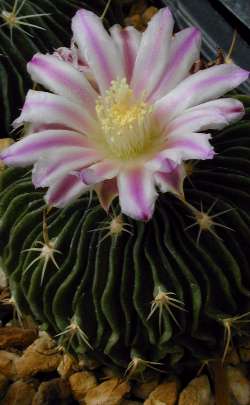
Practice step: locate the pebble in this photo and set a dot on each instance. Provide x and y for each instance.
(197, 392)
(20, 393)
(81, 383)
(165, 394)
(40, 357)
(109, 392)
(8, 364)
(148, 14)
(238, 384)
(67, 366)
(3, 383)
(12, 336)
(143, 390)
(52, 392)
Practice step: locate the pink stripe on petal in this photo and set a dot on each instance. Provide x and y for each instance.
(97, 47)
(128, 41)
(214, 114)
(98, 172)
(63, 79)
(184, 51)
(65, 191)
(30, 148)
(199, 88)
(46, 108)
(171, 181)
(137, 194)
(188, 146)
(53, 166)
(153, 52)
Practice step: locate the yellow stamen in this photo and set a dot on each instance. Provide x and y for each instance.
(126, 124)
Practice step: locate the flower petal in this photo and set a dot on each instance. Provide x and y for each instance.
(106, 191)
(128, 41)
(153, 53)
(184, 51)
(65, 191)
(30, 148)
(98, 48)
(44, 108)
(171, 181)
(188, 146)
(137, 194)
(98, 172)
(62, 78)
(199, 88)
(53, 166)
(211, 115)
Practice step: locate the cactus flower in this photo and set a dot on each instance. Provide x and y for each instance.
(126, 121)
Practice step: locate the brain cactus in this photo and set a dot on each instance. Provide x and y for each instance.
(161, 291)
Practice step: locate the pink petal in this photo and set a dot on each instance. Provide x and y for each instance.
(184, 51)
(153, 53)
(62, 78)
(97, 47)
(98, 172)
(46, 108)
(137, 194)
(171, 181)
(65, 191)
(188, 146)
(106, 191)
(198, 88)
(128, 41)
(30, 148)
(53, 166)
(211, 115)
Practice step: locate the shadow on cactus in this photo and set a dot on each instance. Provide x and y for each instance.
(160, 280)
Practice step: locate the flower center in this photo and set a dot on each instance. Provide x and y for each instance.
(126, 124)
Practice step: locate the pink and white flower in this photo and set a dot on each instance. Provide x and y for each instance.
(125, 118)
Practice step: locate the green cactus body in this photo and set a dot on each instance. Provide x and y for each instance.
(151, 291)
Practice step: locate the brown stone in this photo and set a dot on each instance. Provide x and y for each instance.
(143, 390)
(136, 21)
(11, 336)
(40, 357)
(19, 393)
(165, 394)
(8, 364)
(3, 383)
(197, 392)
(67, 366)
(52, 392)
(81, 383)
(110, 392)
(148, 14)
(238, 385)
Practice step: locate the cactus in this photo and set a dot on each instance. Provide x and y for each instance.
(49, 28)
(138, 296)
